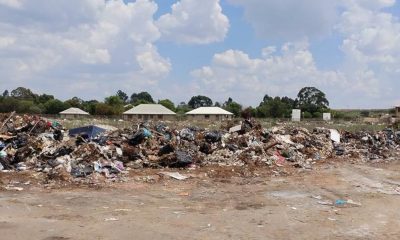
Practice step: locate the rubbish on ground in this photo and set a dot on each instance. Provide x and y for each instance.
(175, 175)
(88, 132)
(43, 145)
(341, 202)
(111, 219)
(335, 135)
(328, 203)
(12, 188)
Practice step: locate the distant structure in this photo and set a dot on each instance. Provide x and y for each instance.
(327, 116)
(149, 112)
(296, 115)
(73, 113)
(209, 113)
(397, 109)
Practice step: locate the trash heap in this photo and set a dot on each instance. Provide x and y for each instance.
(34, 143)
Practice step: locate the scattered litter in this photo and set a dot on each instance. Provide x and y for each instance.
(123, 210)
(341, 203)
(328, 203)
(335, 135)
(111, 219)
(12, 188)
(175, 175)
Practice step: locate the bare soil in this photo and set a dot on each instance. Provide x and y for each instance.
(214, 204)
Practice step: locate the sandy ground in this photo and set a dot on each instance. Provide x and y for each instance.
(213, 208)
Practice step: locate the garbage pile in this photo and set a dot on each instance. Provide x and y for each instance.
(34, 143)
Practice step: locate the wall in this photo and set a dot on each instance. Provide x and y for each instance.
(209, 117)
(145, 117)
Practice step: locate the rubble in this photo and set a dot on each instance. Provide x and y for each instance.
(38, 144)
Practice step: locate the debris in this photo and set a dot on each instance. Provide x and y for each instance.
(12, 188)
(111, 219)
(335, 135)
(174, 175)
(328, 203)
(88, 132)
(235, 129)
(341, 202)
(40, 145)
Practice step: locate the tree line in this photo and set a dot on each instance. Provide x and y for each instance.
(310, 100)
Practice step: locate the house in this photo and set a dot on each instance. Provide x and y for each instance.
(209, 113)
(149, 112)
(397, 109)
(72, 113)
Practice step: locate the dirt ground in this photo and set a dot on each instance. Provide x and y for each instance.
(285, 207)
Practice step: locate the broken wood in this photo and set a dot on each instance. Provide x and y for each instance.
(5, 122)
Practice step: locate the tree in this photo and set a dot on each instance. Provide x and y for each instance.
(44, 98)
(266, 98)
(311, 99)
(6, 93)
(182, 108)
(104, 109)
(142, 96)
(23, 93)
(75, 102)
(233, 107)
(200, 101)
(90, 106)
(8, 104)
(55, 106)
(217, 104)
(275, 107)
(122, 95)
(168, 104)
(116, 103)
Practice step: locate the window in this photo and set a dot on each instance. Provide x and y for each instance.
(160, 117)
(140, 116)
(207, 116)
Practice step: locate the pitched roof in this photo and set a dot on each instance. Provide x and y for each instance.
(151, 109)
(75, 111)
(209, 111)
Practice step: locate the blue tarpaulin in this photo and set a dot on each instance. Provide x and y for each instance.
(88, 132)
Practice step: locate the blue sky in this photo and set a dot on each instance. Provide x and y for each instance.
(174, 49)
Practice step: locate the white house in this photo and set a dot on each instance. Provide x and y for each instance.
(209, 113)
(149, 112)
(72, 113)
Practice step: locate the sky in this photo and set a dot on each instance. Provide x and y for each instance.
(176, 49)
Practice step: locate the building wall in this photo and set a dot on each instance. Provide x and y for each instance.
(397, 112)
(72, 116)
(210, 117)
(145, 117)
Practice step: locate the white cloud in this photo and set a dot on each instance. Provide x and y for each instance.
(289, 19)
(103, 45)
(6, 41)
(371, 47)
(11, 3)
(234, 74)
(194, 22)
(367, 77)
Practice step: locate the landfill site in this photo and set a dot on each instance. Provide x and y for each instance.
(177, 180)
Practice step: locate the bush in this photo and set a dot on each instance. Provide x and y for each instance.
(307, 115)
(317, 115)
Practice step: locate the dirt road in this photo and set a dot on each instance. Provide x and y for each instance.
(294, 207)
